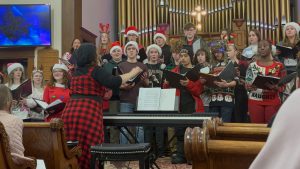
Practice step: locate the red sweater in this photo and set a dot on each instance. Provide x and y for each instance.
(53, 93)
(195, 89)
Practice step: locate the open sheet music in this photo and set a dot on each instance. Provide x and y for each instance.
(24, 90)
(151, 99)
(228, 74)
(262, 82)
(51, 108)
(286, 51)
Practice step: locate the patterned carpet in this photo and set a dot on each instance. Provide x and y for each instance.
(163, 163)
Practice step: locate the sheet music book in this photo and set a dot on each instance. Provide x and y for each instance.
(262, 82)
(173, 78)
(286, 51)
(51, 108)
(24, 90)
(151, 99)
(193, 74)
(135, 79)
(228, 74)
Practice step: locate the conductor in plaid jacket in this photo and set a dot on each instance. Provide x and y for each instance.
(83, 116)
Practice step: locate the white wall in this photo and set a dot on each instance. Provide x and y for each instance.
(56, 23)
(96, 11)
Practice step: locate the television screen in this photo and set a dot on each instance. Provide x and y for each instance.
(25, 25)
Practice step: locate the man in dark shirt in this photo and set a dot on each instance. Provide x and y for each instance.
(160, 39)
(129, 92)
(191, 38)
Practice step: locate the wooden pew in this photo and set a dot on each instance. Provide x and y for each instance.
(240, 131)
(207, 153)
(6, 161)
(219, 122)
(47, 141)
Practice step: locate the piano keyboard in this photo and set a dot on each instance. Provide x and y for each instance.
(168, 120)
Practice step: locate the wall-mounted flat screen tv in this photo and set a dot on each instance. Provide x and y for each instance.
(25, 25)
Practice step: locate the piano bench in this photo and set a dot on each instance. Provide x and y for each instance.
(121, 152)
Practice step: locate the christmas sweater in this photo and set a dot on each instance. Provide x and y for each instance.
(262, 96)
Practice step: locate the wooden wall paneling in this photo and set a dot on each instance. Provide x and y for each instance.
(10, 55)
(46, 59)
(71, 22)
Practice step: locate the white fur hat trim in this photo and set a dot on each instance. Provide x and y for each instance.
(60, 66)
(13, 66)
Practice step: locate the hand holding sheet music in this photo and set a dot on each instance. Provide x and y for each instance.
(51, 108)
(286, 51)
(266, 82)
(24, 90)
(227, 74)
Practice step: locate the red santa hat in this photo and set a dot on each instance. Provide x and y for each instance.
(160, 34)
(155, 47)
(115, 45)
(131, 30)
(13, 66)
(131, 43)
(60, 66)
(293, 24)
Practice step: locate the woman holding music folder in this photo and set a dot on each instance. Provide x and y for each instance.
(285, 54)
(82, 116)
(57, 89)
(222, 90)
(189, 100)
(37, 93)
(16, 76)
(264, 102)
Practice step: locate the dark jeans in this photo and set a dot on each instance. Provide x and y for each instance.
(158, 132)
(179, 132)
(225, 112)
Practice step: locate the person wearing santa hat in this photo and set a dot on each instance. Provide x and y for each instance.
(189, 100)
(16, 76)
(129, 92)
(290, 39)
(57, 88)
(160, 39)
(116, 53)
(155, 72)
(132, 34)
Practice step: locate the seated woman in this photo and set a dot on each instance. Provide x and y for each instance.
(13, 127)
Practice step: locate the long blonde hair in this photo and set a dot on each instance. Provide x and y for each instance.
(41, 72)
